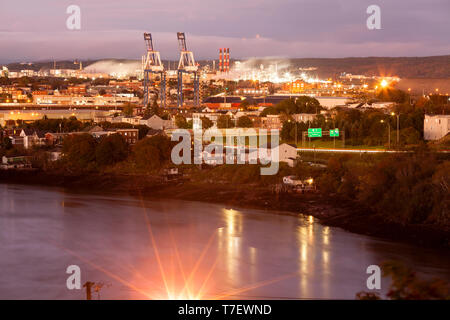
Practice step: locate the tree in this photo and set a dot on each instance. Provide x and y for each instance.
(269, 111)
(127, 109)
(224, 121)
(79, 151)
(181, 122)
(307, 104)
(206, 123)
(111, 149)
(406, 285)
(151, 153)
(6, 143)
(244, 122)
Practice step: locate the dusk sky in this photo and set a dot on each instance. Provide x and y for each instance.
(36, 30)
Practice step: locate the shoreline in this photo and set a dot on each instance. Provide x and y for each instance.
(330, 210)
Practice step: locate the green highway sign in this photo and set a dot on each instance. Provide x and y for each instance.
(315, 132)
(334, 133)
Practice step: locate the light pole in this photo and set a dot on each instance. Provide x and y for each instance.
(398, 126)
(389, 133)
(295, 133)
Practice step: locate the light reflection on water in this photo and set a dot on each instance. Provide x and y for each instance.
(205, 250)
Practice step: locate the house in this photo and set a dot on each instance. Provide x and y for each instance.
(157, 123)
(286, 153)
(54, 155)
(131, 135)
(304, 117)
(436, 126)
(52, 138)
(271, 122)
(132, 120)
(154, 132)
(15, 162)
(32, 138)
(16, 140)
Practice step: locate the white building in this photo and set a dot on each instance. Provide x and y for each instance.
(436, 126)
(286, 153)
(304, 117)
(158, 123)
(332, 102)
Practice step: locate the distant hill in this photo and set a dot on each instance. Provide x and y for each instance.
(405, 67)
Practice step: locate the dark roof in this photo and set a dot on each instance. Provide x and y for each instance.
(28, 131)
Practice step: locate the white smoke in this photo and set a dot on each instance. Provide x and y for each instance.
(274, 70)
(116, 69)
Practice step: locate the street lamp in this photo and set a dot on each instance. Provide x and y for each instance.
(389, 133)
(295, 131)
(398, 126)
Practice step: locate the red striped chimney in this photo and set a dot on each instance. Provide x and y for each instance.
(220, 59)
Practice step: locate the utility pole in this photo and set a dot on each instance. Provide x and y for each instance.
(296, 134)
(389, 135)
(398, 129)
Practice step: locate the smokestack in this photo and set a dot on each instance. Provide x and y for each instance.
(228, 60)
(220, 60)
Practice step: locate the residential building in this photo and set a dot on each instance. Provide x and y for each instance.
(436, 126)
(304, 117)
(131, 135)
(32, 138)
(157, 123)
(271, 122)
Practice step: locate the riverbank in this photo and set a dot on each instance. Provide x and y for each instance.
(330, 210)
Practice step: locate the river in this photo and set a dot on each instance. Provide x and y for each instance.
(140, 249)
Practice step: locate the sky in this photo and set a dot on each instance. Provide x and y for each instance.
(36, 30)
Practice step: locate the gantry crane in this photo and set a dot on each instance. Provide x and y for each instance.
(151, 64)
(186, 65)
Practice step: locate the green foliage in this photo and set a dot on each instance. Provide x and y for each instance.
(383, 184)
(111, 149)
(55, 125)
(224, 121)
(152, 153)
(206, 123)
(181, 122)
(289, 129)
(128, 109)
(302, 104)
(406, 285)
(6, 143)
(79, 151)
(244, 122)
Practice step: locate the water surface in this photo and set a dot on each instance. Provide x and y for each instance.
(152, 249)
